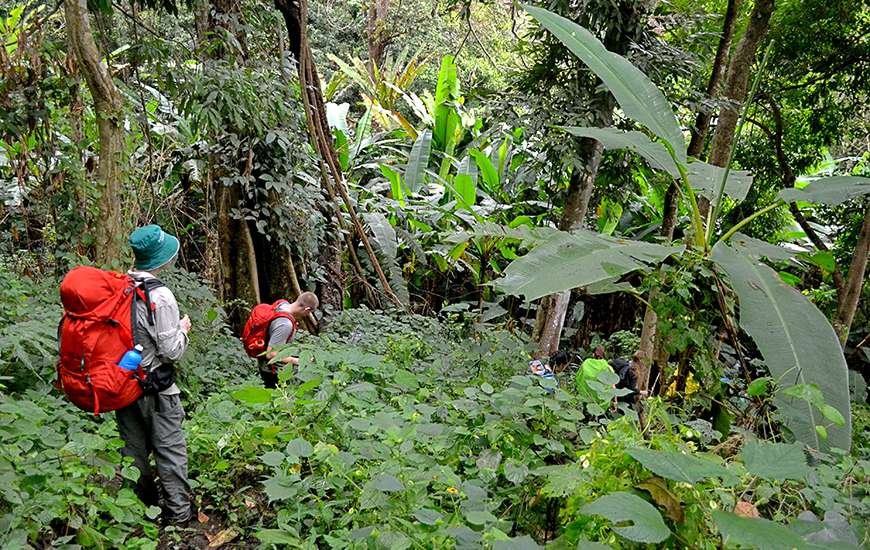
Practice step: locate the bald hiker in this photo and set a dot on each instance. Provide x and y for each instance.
(275, 324)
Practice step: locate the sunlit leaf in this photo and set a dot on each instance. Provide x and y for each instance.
(831, 191)
(569, 260)
(647, 524)
(637, 142)
(418, 160)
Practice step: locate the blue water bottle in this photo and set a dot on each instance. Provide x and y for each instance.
(131, 359)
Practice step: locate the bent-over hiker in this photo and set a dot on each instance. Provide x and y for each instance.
(153, 422)
(275, 324)
(589, 370)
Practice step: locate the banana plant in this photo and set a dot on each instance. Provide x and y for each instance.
(796, 340)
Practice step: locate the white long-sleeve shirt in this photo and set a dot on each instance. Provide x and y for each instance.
(163, 342)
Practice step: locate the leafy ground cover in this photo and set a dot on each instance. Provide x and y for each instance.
(408, 432)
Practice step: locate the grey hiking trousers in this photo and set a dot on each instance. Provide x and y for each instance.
(153, 424)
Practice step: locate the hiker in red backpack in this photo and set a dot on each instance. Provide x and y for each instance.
(272, 325)
(153, 422)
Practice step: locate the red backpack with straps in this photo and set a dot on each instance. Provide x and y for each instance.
(254, 336)
(95, 332)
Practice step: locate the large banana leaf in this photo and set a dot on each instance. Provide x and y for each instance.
(706, 179)
(578, 259)
(418, 160)
(830, 191)
(446, 96)
(387, 244)
(639, 98)
(798, 344)
(638, 142)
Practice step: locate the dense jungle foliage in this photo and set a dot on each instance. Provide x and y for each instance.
(467, 185)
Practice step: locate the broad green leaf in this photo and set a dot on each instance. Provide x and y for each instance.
(569, 260)
(418, 160)
(427, 516)
(280, 487)
(447, 119)
(678, 466)
(648, 526)
(299, 448)
(387, 483)
(253, 394)
(515, 471)
(524, 542)
(466, 190)
(342, 148)
(609, 214)
(278, 537)
(272, 458)
(758, 386)
(760, 249)
(487, 171)
(755, 533)
(797, 341)
(831, 191)
(775, 461)
(387, 245)
(639, 98)
(706, 179)
(637, 142)
(833, 415)
(479, 517)
(822, 259)
(397, 188)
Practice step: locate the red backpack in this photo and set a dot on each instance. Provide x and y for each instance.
(254, 336)
(95, 332)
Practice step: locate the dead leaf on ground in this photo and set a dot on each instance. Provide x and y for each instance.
(746, 509)
(250, 504)
(202, 517)
(221, 538)
(658, 490)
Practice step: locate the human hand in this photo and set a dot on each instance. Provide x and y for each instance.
(184, 323)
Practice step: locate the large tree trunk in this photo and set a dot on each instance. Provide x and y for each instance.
(850, 295)
(736, 85)
(108, 227)
(720, 64)
(702, 120)
(378, 37)
(550, 318)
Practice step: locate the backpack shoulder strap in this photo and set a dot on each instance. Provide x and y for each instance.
(147, 285)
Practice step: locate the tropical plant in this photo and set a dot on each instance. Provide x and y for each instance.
(796, 340)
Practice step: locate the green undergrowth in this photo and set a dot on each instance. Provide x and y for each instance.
(406, 432)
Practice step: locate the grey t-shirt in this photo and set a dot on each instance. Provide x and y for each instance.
(280, 332)
(164, 341)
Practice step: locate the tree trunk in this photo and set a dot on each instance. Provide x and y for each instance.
(702, 120)
(720, 64)
(378, 38)
(239, 277)
(736, 85)
(108, 227)
(550, 318)
(847, 300)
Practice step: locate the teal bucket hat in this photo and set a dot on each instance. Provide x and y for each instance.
(152, 247)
